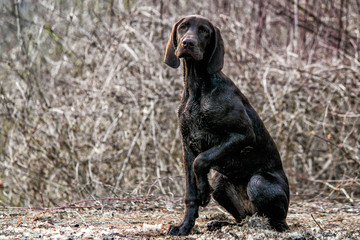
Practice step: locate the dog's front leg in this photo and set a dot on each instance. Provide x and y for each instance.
(191, 201)
(206, 160)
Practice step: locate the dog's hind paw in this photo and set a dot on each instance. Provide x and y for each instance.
(279, 226)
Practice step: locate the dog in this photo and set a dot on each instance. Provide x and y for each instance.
(222, 131)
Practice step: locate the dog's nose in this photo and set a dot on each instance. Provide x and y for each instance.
(188, 42)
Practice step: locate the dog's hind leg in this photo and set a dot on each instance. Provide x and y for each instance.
(270, 195)
(233, 198)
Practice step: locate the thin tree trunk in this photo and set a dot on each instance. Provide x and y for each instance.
(340, 31)
(262, 7)
(296, 23)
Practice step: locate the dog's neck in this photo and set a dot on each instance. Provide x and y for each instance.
(196, 77)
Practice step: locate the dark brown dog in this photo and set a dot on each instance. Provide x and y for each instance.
(221, 131)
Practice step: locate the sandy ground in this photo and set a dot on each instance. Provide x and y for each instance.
(150, 219)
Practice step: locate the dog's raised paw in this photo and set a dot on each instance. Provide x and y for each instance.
(204, 195)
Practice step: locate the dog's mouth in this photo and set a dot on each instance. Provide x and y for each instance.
(189, 53)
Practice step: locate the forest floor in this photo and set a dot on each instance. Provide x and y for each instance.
(150, 219)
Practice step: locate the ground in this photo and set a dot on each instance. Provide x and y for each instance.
(150, 219)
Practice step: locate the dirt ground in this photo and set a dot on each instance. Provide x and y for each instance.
(150, 219)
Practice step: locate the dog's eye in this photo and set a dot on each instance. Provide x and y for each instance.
(203, 30)
(183, 26)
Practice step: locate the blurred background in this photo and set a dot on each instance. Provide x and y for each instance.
(88, 108)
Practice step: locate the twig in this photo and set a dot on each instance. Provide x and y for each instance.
(267, 94)
(316, 222)
(82, 219)
(340, 189)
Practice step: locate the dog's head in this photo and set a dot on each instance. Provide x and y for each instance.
(195, 38)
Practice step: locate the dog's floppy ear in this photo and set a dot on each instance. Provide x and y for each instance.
(170, 58)
(216, 60)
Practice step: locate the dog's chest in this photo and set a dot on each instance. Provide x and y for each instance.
(196, 127)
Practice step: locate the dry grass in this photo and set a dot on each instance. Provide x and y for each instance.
(309, 219)
(88, 109)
